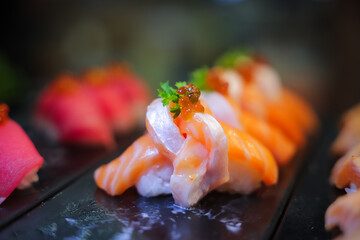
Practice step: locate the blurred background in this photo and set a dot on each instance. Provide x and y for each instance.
(315, 45)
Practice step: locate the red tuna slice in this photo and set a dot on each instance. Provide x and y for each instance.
(130, 87)
(116, 111)
(72, 114)
(19, 159)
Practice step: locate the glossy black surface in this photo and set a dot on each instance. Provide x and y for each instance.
(83, 211)
(62, 165)
(304, 217)
(74, 208)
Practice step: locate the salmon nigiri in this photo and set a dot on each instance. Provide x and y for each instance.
(345, 213)
(255, 102)
(347, 169)
(70, 115)
(250, 163)
(19, 159)
(349, 135)
(198, 157)
(200, 162)
(227, 111)
(264, 95)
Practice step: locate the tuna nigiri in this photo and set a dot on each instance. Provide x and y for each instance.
(19, 159)
(116, 110)
(67, 111)
(130, 87)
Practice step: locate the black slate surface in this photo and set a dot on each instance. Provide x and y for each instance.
(82, 211)
(77, 209)
(62, 165)
(304, 217)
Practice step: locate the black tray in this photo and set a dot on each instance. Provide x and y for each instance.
(74, 208)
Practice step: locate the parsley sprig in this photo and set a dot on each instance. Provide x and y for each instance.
(169, 94)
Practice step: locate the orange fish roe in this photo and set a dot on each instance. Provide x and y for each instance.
(214, 81)
(246, 70)
(4, 110)
(65, 84)
(96, 76)
(189, 103)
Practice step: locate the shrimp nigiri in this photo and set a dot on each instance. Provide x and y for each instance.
(19, 159)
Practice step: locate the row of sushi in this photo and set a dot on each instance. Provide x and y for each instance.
(227, 129)
(345, 211)
(81, 110)
(88, 109)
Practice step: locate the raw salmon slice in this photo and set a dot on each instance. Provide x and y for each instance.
(125, 171)
(228, 111)
(250, 163)
(255, 102)
(347, 169)
(345, 213)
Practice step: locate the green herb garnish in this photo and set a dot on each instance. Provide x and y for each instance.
(169, 94)
(232, 58)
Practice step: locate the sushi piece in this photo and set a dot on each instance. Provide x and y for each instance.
(116, 110)
(349, 135)
(254, 101)
(186, 152)
(130, 87)
(196, 145)
(347, 169)
(250, 163)
(68, 114)
(227, 111)
(264, 95)
(19, 159)
(345, 213)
